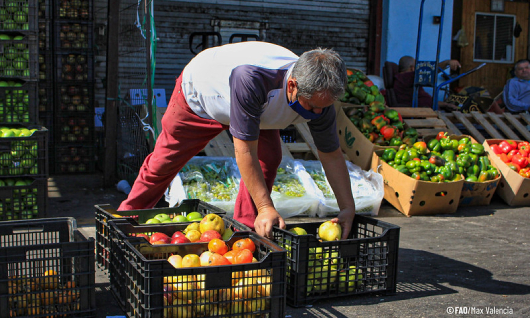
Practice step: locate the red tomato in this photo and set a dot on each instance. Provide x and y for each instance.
(245, 243)
(217, 246)
(243, 256)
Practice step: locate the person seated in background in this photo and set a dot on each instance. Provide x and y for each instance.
(516, 94)
(404, 84)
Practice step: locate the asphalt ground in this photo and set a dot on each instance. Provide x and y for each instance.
(475, 262)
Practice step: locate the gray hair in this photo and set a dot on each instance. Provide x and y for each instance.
(320, 71)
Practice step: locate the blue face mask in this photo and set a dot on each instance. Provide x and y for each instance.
(302, 111)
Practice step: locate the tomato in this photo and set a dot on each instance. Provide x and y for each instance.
(217, 246)
(230, 255)
(243, 256)
(245, 243)
(217, 259)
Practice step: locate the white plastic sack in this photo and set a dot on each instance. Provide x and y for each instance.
(294, 192)
(214, 180)
(367, 189)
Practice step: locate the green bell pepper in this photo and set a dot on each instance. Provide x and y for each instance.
(484, 163)
(448, 155)
(477, 149)
(472, 178)
(465, 140)
(464, 160)
(473, 170)
(434, 145)
(449, 144)
(446, 172)
(403, 169)
(395, 141)
(389, 154)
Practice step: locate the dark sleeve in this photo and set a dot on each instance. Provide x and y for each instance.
(324, 130)
(249, 86)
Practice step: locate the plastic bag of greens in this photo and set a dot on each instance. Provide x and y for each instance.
(294, 192)
(214, 180)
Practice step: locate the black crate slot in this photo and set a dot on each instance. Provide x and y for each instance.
(18, 103)
(72, 130)
(105, 213)
(156, 289)
(23, 198)
(48, 270)
(25, 155)
(45, 36)
(74, 10)
(18, 16)
(75, 159)
(46, 68)
(71, 36)
(75, 98)
(18, 57)
(366, 262)
(45, 93)
(76, 67)
(44, 10)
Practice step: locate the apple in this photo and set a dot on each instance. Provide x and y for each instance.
(177, 234)
(145, 236)
(194, 216)
(180, 240)
(191, 260)
(212, 222)
(152, 221)
(193, 226)
(159, 236)
(162, 217)
(180, 218)
(298, 231)
(350, 278)
(330, 231)
(175, 260)
(227, 234)
(205, 256)
(193, 235)
(209, 235)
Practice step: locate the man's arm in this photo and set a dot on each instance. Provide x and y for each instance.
(339, 179)
(453, 64)
(247, 161)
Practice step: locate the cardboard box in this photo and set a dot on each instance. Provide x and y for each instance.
(416, 197)
(356, 146)
(513, 188)
(475, 193)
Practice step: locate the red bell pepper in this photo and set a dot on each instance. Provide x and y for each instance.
(525, 172)
(380, 121)
(421, 147)
(441, 134)
(506, 147)
(515, 167)
(523, 144)
(520, 160)
(369, 83)
(388, 132)
(512, 142)
(504, 157)
(512, 153)
(496, 149)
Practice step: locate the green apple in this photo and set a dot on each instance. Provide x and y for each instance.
(180, 218)
(153, 221)
(298, 231)
(227, 234)
(162, 217)
(349, 279)
(194, 216)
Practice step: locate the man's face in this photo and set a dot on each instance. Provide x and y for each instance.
(522, 71)
(315, 104)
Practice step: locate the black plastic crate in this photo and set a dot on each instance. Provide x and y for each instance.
(75, 159)
(156, 289)
(74, 10)
(18, 103)
(44, 10)
(74, 67)
(75, 98)
(74, 129)
(126, 231)
(19, 57)
(105, 213)
(46, 98)
(23, 198)
(49, 261)
(46, 69)
(73, 36)
(45, 35)
(24, 156)
(19, 16)
(366, 262)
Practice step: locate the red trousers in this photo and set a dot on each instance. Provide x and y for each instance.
(184, 135)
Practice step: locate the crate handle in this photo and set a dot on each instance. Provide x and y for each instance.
(106, 208)
(28, 229)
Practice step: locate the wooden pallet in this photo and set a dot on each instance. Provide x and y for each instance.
(425, 120)
(489, 125)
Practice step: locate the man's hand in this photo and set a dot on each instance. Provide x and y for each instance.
(345, 220)
(266, 220)
(448, 106)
